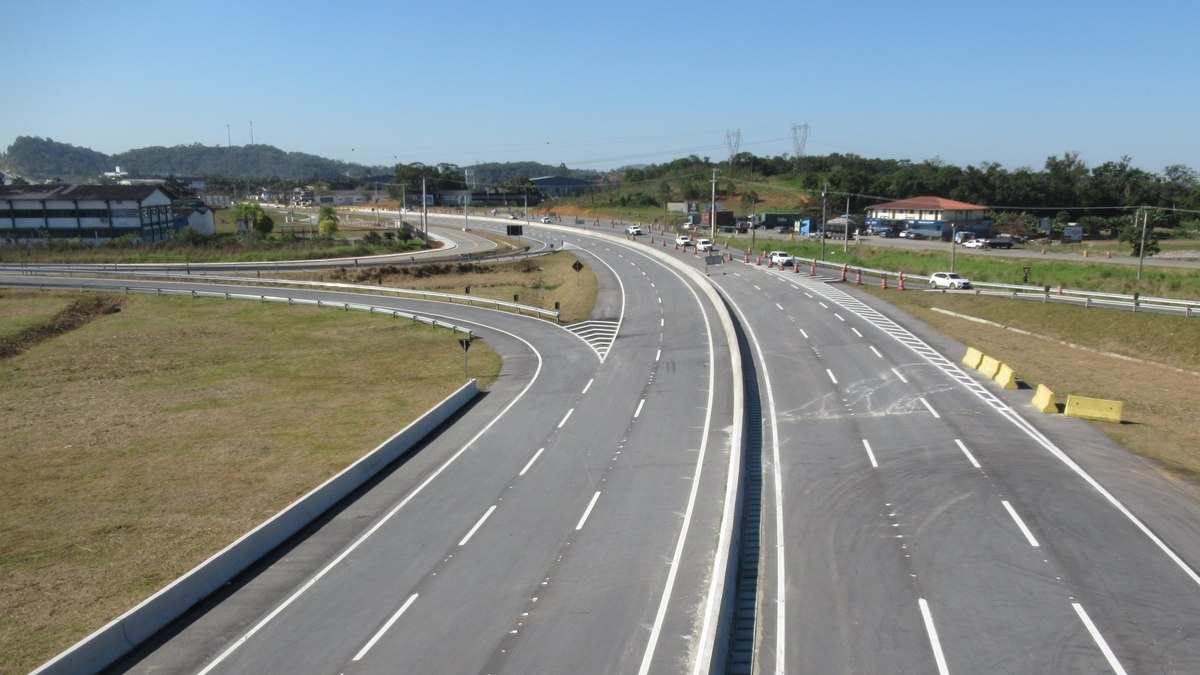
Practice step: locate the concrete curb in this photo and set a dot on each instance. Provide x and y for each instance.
(123, 634)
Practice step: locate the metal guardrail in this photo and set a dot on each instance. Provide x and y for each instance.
(345, 306)
(1187, 308)
(452, 298)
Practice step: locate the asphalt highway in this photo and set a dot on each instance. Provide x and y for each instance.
(917, 522)
(568, 522)
(915, 517)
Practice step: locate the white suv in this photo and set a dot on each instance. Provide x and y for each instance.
(634, 229)
(704, 245)
(948, 280)
(781, 258)
(683, 240)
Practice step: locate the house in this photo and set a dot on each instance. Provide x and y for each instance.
(934, 217)
(76, 211)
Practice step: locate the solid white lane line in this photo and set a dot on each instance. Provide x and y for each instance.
(587, 386)
(1020, 523)
(967, 453)
(870, 454)
(902, 378)
(856, 331)
(477, 525)
(565, 418)
(639, 408)
(804, 334)
(367, 647)
(531, 461)
(831, 377)
(587, 512)
(876, 351)
(933, 638)
(1108, 653)
(930, 408)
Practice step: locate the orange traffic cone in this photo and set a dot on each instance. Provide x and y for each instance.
(812, 271)
(883, 282)
(858, 278)
(900, 279)
(843, 279)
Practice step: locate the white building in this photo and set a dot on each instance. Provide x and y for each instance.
(90, 212)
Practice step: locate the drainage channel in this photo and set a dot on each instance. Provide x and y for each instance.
(741, 648)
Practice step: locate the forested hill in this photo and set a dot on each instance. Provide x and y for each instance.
(43, 158)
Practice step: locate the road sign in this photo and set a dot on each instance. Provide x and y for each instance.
(465, 342)
(577, 266)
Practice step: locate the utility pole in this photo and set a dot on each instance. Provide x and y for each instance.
(824, 219)
(424, 213)
(953, 244)
(1142, 248)
(846, 234)
(712, 209)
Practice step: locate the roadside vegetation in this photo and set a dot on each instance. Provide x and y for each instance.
(141, 441)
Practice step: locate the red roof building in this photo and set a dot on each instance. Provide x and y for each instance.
(935, 217)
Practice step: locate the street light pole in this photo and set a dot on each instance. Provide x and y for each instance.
(712, 209)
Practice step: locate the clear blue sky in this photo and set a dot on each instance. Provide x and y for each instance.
(602, 84)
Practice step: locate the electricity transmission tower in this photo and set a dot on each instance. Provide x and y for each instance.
(799, 138)
(733, 139)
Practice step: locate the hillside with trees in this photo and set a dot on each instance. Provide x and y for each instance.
(38, 159)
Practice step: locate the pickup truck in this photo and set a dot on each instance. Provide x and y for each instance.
(998, 241)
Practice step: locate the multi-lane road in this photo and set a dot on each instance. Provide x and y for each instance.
(577, 518)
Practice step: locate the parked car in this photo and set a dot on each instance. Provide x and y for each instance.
(914, 235)
(948, 280)
(704, 245)
(683, 240)
(634, 230)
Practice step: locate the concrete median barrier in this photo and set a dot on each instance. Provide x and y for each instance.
(989, 366)
(972, 358)
(1043, 399)
(1100, 409)
(1005, 377)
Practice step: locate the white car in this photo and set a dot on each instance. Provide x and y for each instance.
(781, 258)
(948, 280)
(545, 219)
(973, 243)
(704, 245)
(634, 229)
(683, 240)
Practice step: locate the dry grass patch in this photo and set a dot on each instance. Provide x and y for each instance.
(1159, 400)
(538, 282)
(143, 442)
(21, 308)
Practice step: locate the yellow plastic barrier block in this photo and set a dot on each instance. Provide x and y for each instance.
(1043, 399)
(1100, 409)
(989, 367)
(972, 358)
(1005, 377)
